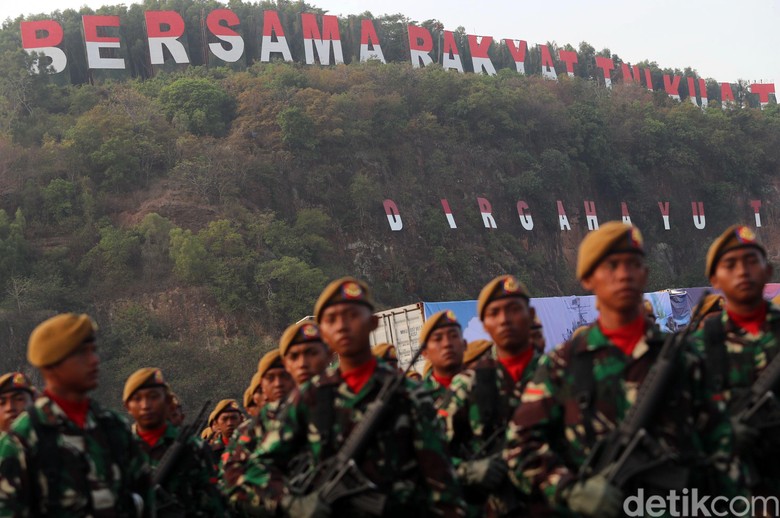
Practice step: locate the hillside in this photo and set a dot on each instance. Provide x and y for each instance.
(197, 213)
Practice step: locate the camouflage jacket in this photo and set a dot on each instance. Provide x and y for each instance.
(190, 489)
(244, 441)
(549, 438)
(49, 466)
(405, 459)
(746, 357)
(440, 395)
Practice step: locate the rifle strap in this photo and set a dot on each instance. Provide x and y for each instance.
(716, 353)
(584, 387)
(322, 417)
(487, 397)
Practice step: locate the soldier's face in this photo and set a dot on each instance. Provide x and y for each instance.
(276, 384)
(176, 415)
(444, 349)
(258, 398)
(618, 282)
(306, 360)
(78, 372)
(346, 328)
(12, 403)
(742, 274)
(508, 322)
(149, 407)
(227, 422)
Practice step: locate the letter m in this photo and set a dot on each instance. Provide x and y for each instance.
(322, 41)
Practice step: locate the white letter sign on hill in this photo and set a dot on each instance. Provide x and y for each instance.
(330, 37)
(518, 52)
(168, 36)
(548, 66)
(450, 58)
(393, 216)
(43, 36)
(272, 26)
(368, 38)
(226, 34)
(480, 60)
(94, 42)
(420, 46)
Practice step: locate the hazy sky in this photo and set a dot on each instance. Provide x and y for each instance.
(723, 40)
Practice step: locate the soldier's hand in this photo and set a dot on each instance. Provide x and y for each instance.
(745, 436)
(487, 473)
(306, 506)
(594, 496)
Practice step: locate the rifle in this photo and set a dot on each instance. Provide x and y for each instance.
(630, 450)
(338, 477)
(759, 406)
(174, 452)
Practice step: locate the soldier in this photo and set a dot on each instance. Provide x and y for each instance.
(388, 353)
(404, 457)
(475, 351)
(443, 345)
(16, 394)
(304, 353)
(67, 456)
(740, 342)
(584, 387)
(176, 412)
(537, 335)
(223, 421)
(251, 402)
(485, 396)
(189, 488)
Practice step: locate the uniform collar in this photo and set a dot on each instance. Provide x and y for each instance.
(594, 340)
(52, 415)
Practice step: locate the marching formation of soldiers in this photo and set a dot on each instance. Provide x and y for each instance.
(493, 428)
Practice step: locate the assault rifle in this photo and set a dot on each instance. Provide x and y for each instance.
(630, 450)
(174, 452)
(338, 477)
(759, 407)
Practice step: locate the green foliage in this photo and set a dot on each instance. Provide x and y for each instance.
(289, 288)
(197, 105)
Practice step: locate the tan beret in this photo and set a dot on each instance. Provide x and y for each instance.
(502, 287)
(299, 333)
(57, 337)
(384, 351)
(148, 377)
(712, 303)
(251, 389)
(427, 368)
(736, 236)
(436, 321)
(206, 433)
(613, 237)
(271, 360)
(648, 306)
(414, 375)
(249, 401)
(226, 405)
(776, 300)
(476, 349)
(344, 290)
(13, 381)
(580, 330)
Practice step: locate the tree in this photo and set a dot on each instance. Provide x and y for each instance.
(198, 105)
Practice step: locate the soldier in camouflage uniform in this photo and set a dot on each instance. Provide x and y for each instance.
(583, 388)
(739, 342)
(387, 353)
(276, 383)
(537, 335)
(405, 456)
(16, 394)
(223, 421)
(66, 456)
(485, 396)
(189, 489)
(443, 345)
(176, 411)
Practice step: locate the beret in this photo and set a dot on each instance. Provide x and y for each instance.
(249, 401)
(776, 300)
(299, 333)
(648, 306)
(344, 290)
(438, 320)
(712, 303)
(14, 381)
(251, 389)
(384, 351)
(206, 433)
(148, 377)
(271, 360)
(502, 287)
(427, 368)
(226, 405)
(613, 237)
(476, 349)
(57, 337)
(736, 236)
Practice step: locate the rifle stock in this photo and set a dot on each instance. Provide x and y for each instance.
(172, 454)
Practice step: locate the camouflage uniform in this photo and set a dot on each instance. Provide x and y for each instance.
(484, 397)
(90, 472)
(550, 436)
(190, 489)
(405, 458)
(746, 357)
(440, 394)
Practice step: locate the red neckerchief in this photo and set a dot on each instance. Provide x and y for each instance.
(358, 377)
(76, 411)
(225, 439)
(444, 381)
(516, 364)
(626, 337)
(751, 322)
(151, 437)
